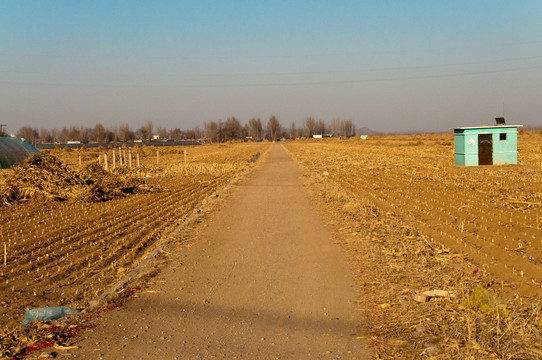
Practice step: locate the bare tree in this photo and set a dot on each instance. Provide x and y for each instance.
(84, 134)
(197, 133)
(161, 132)
(145, 131)
(74, 133)
(220, 130)
(149, 128)
(341, 127)
(99, 132)
(321, 128)
(26, 132)
(110, 135)
(310, 126)
(348, 128)
(55, 134)
(64, 135)
(211, 131)
(189, 134)
(232, 128)
(45, 136)
(273, 128)
(124, 133)
(335, 127)
(255, 128)
(176, 134)
(293, 130)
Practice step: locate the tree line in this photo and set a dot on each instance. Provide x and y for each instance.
(212, 131)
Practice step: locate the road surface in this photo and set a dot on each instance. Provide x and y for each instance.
(263, 280)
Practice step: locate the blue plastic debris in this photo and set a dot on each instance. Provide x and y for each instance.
(47, 313)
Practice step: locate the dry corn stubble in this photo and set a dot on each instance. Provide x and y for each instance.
(396, 244)
(67, 252)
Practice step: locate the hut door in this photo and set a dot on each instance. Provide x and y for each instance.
(485, 149)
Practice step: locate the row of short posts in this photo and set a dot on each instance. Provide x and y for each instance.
(122, 159)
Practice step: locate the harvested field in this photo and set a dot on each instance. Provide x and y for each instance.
(64, 247)
(411, 222)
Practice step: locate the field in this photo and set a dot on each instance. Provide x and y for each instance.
(67, 252)
(411, 222)
(491, 213)
(408, 219)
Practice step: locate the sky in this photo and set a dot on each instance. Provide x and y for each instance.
(392, 66)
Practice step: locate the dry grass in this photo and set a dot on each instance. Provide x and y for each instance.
(370, 192)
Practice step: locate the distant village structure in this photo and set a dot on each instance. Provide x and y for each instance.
(486, 145)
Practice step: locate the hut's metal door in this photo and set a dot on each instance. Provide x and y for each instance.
(485, 149)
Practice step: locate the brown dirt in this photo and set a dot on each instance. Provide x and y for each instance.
(68, 252)
(261, 278)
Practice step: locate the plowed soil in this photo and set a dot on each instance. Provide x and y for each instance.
(67, 251)
(491, 213)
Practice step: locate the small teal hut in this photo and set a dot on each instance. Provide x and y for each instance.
(486, 145)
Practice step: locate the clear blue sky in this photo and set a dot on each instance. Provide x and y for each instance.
(387, 65)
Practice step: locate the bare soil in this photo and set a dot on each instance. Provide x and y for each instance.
(63, 247)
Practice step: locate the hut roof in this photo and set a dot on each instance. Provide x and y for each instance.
(14, 151)
(486, 127)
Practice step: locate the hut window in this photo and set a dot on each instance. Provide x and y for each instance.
(502, 136)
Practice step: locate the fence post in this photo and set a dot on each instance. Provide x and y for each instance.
(185, 157)
(130, 157)
(106, 162)
(138, 162)
(114, 160)
(157, 157)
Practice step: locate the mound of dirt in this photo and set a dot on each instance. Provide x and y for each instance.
(47, 178)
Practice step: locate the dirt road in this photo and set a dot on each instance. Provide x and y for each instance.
(262, 280)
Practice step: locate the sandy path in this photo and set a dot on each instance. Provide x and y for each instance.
(263, 281)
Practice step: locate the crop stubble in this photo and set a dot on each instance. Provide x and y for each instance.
(66, 253)
(491, 213)
(412, 221)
